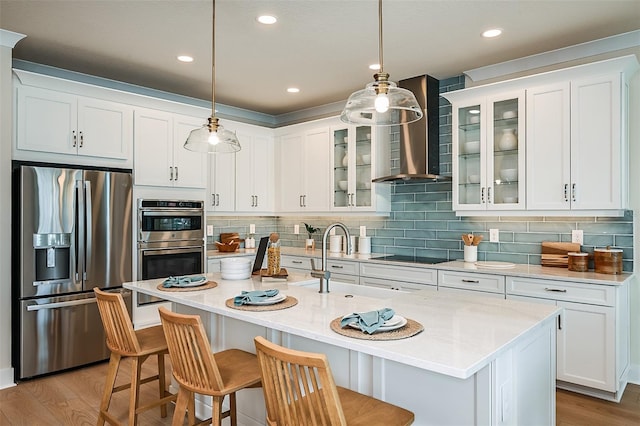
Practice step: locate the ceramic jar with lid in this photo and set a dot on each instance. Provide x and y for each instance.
(607, 260)
(578, 262)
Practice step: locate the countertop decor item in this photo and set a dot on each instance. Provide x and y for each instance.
(228, 247)
(273, 254)
(410, 329)
(607, 260)
(556, 253)
(578, 262)
(508, 141)
(310, 243)
(212, 137)
(382, 102)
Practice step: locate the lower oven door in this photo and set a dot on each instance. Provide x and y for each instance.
(167, 259)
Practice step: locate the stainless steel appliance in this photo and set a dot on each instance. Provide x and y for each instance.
(72, 232)
(170, 240)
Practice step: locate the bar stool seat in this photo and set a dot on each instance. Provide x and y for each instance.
(198, 370)
(125, 342)
(299, 389)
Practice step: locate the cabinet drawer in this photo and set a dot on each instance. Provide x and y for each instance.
(298, 262)
(471, 281)
(395, 285)
(472, 292)
(342, 267)
(562, 290)
(399, 273)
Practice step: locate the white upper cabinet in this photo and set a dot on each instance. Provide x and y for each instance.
(304, 170)
(50, 121)
(222, 183)
(356, 151)
(160, 158)
(488, 152)
(577, 127)
(255, 171)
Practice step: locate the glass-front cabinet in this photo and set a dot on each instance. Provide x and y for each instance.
(488, 149)
(352, 162)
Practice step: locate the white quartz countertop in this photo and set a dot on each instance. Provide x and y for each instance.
(463, 333)
(519, 270)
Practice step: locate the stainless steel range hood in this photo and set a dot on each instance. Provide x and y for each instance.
(420, 140)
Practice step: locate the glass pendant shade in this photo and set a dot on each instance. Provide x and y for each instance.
(367, 106)
(206, 139)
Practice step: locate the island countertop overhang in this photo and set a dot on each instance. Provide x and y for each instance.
(463, 333)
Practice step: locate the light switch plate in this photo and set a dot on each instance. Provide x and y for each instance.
(252, 228)
(363, 231)
(577, 237)
(494, 235)
(296, 229)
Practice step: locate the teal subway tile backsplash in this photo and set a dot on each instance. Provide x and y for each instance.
(422, 222)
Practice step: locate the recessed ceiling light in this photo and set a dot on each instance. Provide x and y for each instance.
(185, 58)
(374, 67)
(293, 90)
(267, 19)
(474, 111)
(493, 32)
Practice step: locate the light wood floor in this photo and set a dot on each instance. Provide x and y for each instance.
(72, 398)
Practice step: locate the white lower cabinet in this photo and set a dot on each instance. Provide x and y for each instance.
(592, 333)
(213, 265)
(404, 278)
(343, 271)
(468, 281)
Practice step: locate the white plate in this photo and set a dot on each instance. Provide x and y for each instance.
(269, 300)
(191, 284)
(495, 265)
(397, 322)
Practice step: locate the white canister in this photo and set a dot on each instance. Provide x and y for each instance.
(353, 244)
(335, 243)
(364, 245)
(470, 253)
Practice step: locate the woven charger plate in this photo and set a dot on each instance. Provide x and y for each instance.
(288, 302)
(410, 329)
(209, 284)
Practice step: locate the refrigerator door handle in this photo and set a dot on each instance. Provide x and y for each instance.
(80, 228)
(88, 229)
(61, 304)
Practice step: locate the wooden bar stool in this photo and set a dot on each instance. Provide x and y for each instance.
(299, 390)
(124, 341)
(198, 370)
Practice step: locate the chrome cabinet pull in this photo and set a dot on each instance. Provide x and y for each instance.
(170, 173)
(556, 290)
(566, 192)
(337, 267)
(75, 138)
(176, 172)
(296, 261)
(217, 200)
(471, 281)
(213, 200)
(300, 200)
(482, 195)
(573, 192)
(81, 140)
(488, 194)
(304, 200)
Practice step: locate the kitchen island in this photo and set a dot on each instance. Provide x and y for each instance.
(479, 360)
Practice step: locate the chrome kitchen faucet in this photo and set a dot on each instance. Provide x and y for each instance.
(322, 273)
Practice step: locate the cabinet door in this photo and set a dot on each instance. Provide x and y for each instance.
(46, 121)
(153, 148)
(291, 172)
(254, 174)
(341, 194)
(222, 186)
(105, 129)
(596, 162)
(362, 198)
(316, 171)
(245, 197)
(469, 153)
(586, 346)
(548, 147)
(190, 168)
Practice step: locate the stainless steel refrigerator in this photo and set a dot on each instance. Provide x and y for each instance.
(71, 233)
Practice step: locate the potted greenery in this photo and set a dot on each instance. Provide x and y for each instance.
(310, 243)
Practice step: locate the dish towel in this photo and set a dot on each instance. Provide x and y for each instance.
(253, 296)
(368, 321)
(182, 281)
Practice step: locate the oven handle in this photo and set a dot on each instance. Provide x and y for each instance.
(61, 304)
(171, 250)
(168, 212)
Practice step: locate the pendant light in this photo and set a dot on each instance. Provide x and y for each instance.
(212, 137)
(382, 102)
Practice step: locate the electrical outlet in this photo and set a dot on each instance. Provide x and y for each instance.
(576, 236)
(296, 229)
(363, 231)
(494, 235)
(209, 230)
(252, 228)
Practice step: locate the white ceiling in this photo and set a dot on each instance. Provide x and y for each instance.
(321, 46)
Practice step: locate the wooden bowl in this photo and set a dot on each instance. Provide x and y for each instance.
(228, 247)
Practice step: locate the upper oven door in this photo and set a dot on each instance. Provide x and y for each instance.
(167, 224)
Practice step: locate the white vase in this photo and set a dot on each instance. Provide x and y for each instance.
(508, 140)
(345, 160)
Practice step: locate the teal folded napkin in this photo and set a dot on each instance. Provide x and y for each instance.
(368, 321)
(253, 296)
(182, 281)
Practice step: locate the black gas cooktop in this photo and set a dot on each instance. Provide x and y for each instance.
(412, 259)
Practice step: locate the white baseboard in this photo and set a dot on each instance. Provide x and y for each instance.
(6, 378)
(634, 374)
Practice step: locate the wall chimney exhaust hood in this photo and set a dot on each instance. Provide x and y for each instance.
(420, 140)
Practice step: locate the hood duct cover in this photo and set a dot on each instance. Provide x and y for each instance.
(420, 140)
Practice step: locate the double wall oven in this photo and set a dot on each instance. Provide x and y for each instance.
(170, 240)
